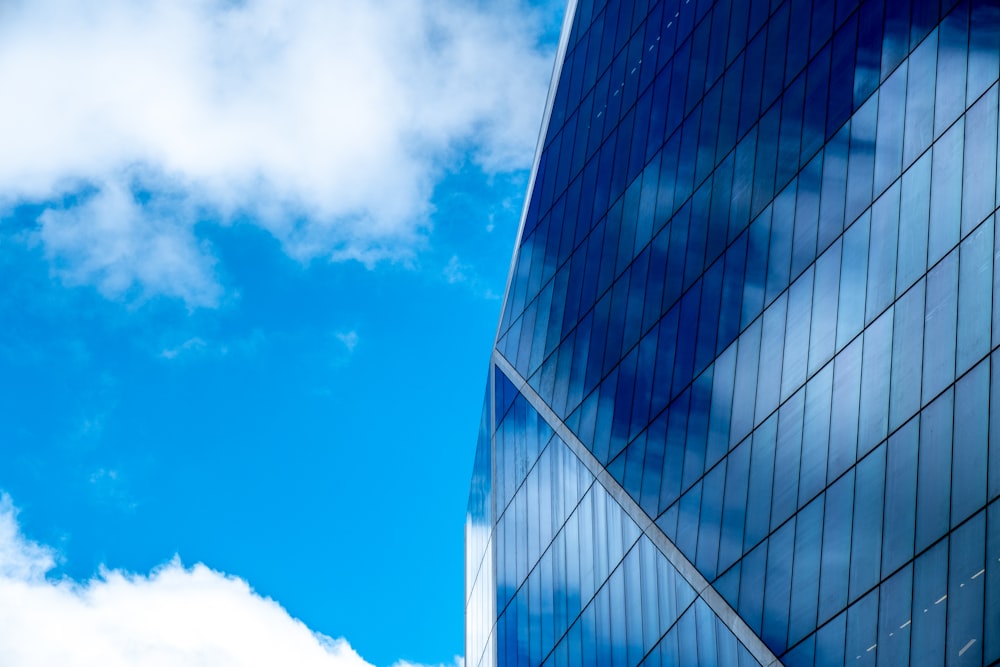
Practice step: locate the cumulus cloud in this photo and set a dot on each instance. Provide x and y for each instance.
(174, 616)
(327, 124)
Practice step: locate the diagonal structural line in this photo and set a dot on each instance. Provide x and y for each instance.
(753, 643)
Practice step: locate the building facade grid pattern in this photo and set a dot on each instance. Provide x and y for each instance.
(756, 278)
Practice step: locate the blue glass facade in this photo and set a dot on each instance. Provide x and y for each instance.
(744, 403)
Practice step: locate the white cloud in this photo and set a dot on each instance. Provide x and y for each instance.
(349, 339)
(328, 124)
(195, 344)
(174, 616)
(455, 271)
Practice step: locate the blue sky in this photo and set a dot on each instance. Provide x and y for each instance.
(252, 258)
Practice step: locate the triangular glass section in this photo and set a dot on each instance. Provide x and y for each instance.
(577, 581)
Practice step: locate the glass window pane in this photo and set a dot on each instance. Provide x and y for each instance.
(835, 568)
(979, 187)
(975, 297)
(894, 619)
(913, 221)
(969, 458)
(930, 591)
(874, 411)
(939, 327)
(907, 347)
(853, 282)
(900, 497)
(946, 192)
(934, 471)
(866, 540)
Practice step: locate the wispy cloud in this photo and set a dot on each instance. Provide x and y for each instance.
(327, 124)
(173, 616)
(349, 339)
(456, 272)
(194, 344)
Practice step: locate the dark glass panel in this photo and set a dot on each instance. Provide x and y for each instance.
(991, 646)
(873, 418)
(844, 411)
(861, 164)
(894, 619)
(761, 475)
(969, 456)
(882, 253)
(735, 505)
(853, 281)
(815, 434)
(900, 497)
(752, 583)
(862, 627)
(930, 591)
(830, 643)
(889, 139)
(939, 327)
(788, 450)
(823, 331)
(866, 539)
(835, 565)
(914, 211)
(805, 571)
(807, 210)
(965, 593)
(769, 369)
(907, 347)
(934, 471)
(796, 352)
(993, 473)
(975, 285)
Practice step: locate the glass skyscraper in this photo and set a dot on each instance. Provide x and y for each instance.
(744, 401)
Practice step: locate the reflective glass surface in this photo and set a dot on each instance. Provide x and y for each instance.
(758, 281)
